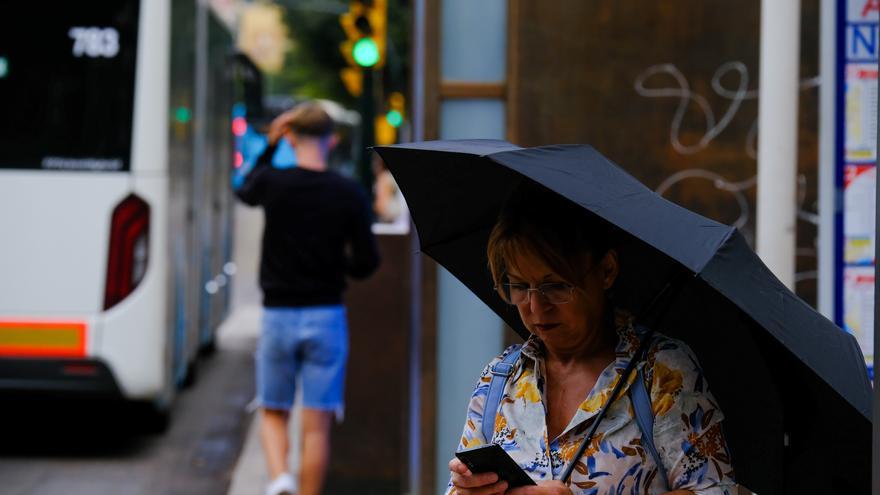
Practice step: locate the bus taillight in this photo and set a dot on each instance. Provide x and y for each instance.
(129, 249)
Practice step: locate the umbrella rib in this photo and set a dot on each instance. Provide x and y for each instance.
(730, 232)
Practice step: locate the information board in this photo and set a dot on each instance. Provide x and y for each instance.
(856, 173)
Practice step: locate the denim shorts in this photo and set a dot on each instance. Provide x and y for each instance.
(305, 344)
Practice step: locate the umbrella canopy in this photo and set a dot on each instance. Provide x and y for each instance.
(793, 386)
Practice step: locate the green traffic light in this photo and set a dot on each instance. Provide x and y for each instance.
(394, 118)
(4, 67)
(182, 114)
(365, 52)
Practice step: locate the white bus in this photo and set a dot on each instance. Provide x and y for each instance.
(115, 209)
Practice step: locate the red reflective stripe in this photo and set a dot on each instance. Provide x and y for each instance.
(44, 350)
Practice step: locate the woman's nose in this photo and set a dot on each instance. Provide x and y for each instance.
(537, 302)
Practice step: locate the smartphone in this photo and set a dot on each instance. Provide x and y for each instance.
(492, 458)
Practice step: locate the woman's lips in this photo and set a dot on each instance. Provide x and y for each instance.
(546, 326)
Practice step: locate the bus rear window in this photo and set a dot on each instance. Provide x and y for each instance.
(67, 72)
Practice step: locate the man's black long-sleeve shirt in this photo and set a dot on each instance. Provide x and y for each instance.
(318, 230)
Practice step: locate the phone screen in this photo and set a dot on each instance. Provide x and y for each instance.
(492, 458)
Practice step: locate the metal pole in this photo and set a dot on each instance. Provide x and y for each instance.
(777, 138)
(827, 161)
(415, 328)
(368, 133)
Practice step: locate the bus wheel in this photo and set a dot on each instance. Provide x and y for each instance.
(191, 375)
(209, 348)
(151, 417)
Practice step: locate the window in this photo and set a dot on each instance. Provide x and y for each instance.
(67, 85)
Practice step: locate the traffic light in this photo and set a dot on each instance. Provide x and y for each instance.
(365, 26)
(387, 124)
(365, 30)
(396, 110)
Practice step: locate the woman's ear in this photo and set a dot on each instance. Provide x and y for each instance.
(610, 268)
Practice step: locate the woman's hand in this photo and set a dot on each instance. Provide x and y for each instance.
(468, 483)
(554, 487)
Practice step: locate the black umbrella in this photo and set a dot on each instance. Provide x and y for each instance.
(793, 386)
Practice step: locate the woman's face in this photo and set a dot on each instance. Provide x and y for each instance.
(572, 326)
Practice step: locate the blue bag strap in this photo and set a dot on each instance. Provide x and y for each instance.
(641, 402)
(500, 373)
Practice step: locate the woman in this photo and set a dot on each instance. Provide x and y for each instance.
(555, 263)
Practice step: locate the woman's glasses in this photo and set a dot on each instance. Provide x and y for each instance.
(553, 293)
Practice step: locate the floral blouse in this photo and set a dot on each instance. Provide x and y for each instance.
(687, 424)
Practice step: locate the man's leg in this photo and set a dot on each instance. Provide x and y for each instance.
(276, 366)
(315, 450)
(273, 434)
(323, 379)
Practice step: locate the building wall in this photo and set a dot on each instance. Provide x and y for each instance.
(669, 92)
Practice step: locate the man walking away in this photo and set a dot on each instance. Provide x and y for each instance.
(317, 232)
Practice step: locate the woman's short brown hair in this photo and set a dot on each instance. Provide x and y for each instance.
(535, 221)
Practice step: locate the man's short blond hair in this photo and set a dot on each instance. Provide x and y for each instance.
(310, 119)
